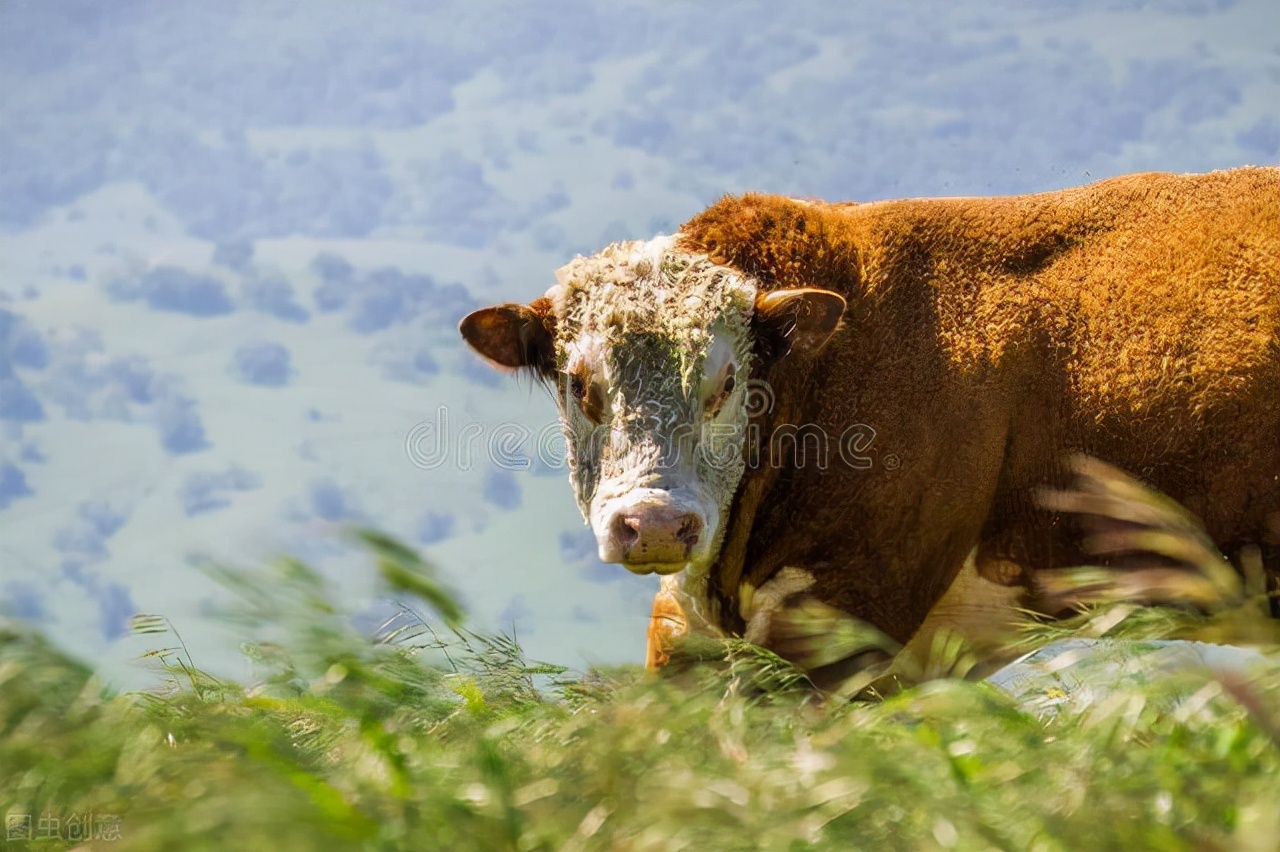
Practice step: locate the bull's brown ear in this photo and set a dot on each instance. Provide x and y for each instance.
(513, 337)
(798, 320)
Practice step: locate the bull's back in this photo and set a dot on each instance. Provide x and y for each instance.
(1172, 299)
(1164, 332)
(1151, 306)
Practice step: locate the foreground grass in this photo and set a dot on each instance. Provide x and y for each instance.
(440, 739)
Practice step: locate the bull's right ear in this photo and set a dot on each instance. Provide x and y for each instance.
(795, 320)
(513, 337)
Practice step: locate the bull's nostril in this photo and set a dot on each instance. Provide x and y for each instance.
(626, 530)
(690, 529)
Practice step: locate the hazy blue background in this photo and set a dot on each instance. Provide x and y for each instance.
(236, 238)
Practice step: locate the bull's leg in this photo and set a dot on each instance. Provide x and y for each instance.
(821, 640)
(838, 652)
(667, 624)
(676, 616)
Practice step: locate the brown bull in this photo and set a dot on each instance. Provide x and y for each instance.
(852, 401)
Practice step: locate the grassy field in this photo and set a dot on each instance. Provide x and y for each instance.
(431, 737)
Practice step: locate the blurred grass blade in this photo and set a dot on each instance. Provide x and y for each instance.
(1066, 587)
(405, 571)
(1122, 516)
(144, 624)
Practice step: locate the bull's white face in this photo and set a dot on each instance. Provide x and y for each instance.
(653, 351)
(649, 350)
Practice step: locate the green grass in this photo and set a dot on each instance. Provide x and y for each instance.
(433, 737)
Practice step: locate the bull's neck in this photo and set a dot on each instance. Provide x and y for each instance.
(721, 587)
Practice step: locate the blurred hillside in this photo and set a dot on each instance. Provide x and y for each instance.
(235, 240)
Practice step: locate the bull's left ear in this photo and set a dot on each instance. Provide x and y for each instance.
(799, 320)
(512, 336)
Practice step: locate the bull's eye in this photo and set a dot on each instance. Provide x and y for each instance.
(593, 405)
(588, 396)
(717, 400)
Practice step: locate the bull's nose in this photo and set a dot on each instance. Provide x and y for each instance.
(654, 534)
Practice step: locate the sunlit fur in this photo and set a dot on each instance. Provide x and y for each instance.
(987, 339)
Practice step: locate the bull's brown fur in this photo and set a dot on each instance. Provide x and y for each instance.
(1137, 320)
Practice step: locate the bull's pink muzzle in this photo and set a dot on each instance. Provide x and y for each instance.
(651, 537)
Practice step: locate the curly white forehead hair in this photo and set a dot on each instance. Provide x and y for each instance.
(650, 289)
